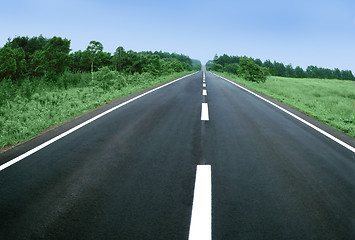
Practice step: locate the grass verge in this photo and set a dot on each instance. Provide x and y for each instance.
(328, 100)
(29, 108)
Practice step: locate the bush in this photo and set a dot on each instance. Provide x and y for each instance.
(251, 71)
(232, 68)
(104, 78)
(217, 67)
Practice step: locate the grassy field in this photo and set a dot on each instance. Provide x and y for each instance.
(28, 108)
(328, 100)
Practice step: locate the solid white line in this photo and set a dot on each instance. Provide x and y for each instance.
(204, 85)
(204, 92)
(295, 116)
(204, 112)
(201, 216)
(45, 144)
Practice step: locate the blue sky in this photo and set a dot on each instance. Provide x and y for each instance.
(302, 32)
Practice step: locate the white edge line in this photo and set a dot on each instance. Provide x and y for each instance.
(45, 144)
(295, 116)
(201, 215)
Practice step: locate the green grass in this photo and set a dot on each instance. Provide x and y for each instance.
(328, 100)
(30, 107)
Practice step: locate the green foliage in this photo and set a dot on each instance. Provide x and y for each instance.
(95, 50)
(216, 67)
(70, 79)
(250, 71)
(106, 79)
(38, 56)
(177, 66)
(279, 69)
(225, 59)
(37, 68)
(328, 100)
(232, 68)
(196, 64)
(55, 56)
(7, 63)
(209, 65)
(299, 73)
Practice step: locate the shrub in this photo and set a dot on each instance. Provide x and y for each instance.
(232, 68)
(104, 78)
(251, 71)
(217, 67)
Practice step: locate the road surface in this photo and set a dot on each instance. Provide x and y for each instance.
(131, 173)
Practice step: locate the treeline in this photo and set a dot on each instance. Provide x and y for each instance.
(229, 64)
(24, 57)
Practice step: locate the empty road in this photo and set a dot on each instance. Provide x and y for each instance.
(131, 173)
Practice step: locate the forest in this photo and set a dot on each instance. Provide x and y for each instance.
(230, 64)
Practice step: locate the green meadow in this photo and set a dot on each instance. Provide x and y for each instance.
(328, 100)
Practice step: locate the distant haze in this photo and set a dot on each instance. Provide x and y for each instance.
(303, 32)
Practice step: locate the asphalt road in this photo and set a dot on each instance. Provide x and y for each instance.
(131, 173)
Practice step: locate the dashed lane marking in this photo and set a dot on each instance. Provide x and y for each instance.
(201, 216)
(204, 112)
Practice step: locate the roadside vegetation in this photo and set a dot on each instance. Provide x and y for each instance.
(42, 84)
(226, 63)
(328, 100)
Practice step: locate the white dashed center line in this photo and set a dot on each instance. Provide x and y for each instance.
(204, 92)
(204, 112)
(201, 217)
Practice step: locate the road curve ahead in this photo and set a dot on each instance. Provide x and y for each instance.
(135, 173)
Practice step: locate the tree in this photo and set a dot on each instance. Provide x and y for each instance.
(289, 71)
(94, 48)
(337, 73)
(268, 64)
(347, 75)
(19, 56)
(299, 73)
(12, 63)
(279, 69)
(312, 71)
(55, 56)
(251, 71)
(7, 63)
(117, 58)
(259, 62)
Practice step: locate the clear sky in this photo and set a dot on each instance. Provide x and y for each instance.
(300, 32)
